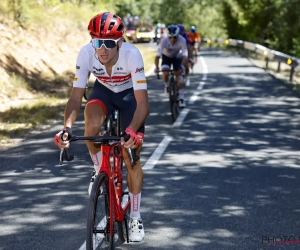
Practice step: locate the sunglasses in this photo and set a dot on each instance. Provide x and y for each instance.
(108, 44)
(172, 37)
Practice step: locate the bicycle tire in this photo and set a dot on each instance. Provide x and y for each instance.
(98, 232)
(123, 228)
(174, 104)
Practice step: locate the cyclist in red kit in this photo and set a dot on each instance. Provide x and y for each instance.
(121, 84)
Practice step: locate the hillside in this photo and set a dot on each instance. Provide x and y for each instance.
(37, 68)
(36, 62)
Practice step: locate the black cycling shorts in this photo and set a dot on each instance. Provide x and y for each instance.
(168, 61)
(124, 101)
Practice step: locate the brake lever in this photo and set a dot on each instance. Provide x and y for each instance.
(132, 152)
(61, 159)
(133, 156)
(64, 154)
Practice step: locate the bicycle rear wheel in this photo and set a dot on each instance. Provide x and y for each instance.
(98, 220)
(174, 103)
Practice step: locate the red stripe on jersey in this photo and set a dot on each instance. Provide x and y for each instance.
(114, 79)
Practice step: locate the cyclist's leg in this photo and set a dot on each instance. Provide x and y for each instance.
(165, 67)
(97, 108)
(177, 70)
(190, 52)
(126, 103)
(196, 50)
(178, 67)
(185, 64)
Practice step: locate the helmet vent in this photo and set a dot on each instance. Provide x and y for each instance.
(121, 26)
(94, 24)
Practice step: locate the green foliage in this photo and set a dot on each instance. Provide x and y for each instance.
(274, 23)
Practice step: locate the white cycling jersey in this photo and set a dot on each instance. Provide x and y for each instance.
(169, 50)
(128, 72)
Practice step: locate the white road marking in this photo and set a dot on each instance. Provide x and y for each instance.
(180, 118)
(158, 152)
(201, 84)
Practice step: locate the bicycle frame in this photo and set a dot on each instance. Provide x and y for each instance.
(111, 168)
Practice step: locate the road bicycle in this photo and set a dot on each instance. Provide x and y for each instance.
(173, 94)
(109, 204)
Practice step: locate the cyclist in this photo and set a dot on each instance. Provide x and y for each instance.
(173, 51)
(187, 39)
(195, 40)
(121, 83)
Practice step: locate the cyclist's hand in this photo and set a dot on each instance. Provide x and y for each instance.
(135, 138)
(156, 70)
(62, 138)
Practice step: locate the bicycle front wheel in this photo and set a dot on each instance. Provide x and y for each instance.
(98, 220)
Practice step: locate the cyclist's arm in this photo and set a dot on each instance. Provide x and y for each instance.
(198, 38)
(158, 55)
(184, 52)
(157, 62)
(79, 84)
(140, 90)
(142, 109)
(73, 106)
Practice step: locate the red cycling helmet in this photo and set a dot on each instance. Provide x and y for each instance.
(106, 25)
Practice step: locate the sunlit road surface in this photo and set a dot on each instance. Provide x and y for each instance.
(224, 176)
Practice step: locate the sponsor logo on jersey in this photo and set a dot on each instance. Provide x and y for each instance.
(139, 70)
(75, 79)
(77, 67)
(119, 68)
(98, 69)
(141, 81)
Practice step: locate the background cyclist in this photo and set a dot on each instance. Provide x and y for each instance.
(173, 51)
(120, 83)
(195, 40)
(187, 39)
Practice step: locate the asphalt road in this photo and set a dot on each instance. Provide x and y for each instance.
(224, 176)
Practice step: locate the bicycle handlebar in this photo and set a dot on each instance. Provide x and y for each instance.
(164, 70)
(64, 154)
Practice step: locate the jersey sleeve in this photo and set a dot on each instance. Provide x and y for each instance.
(184, 48)
(136, 67)
(82, 69)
